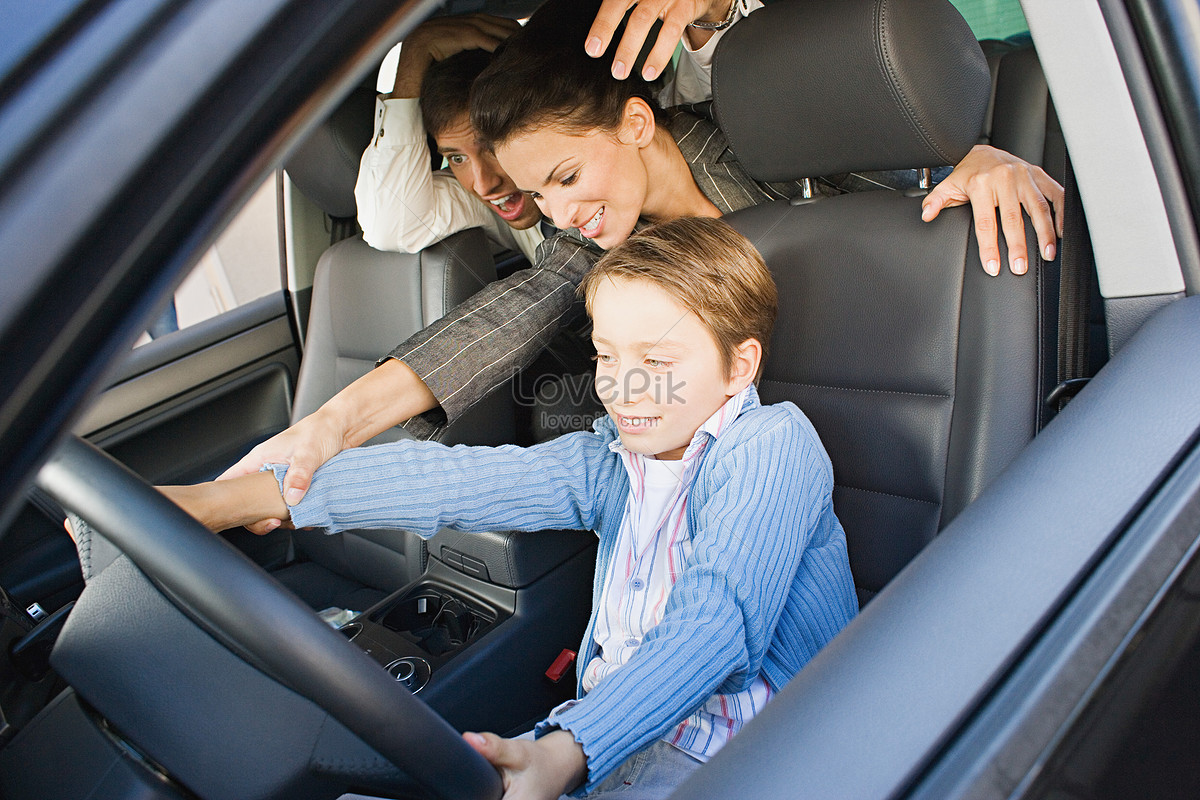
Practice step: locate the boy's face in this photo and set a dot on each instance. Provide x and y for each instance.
(658, 369)
(478, 171)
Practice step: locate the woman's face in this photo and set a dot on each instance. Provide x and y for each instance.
(596, 182)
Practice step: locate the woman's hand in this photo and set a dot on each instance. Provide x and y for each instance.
(991, 179)
(676, 15)
(304, 447)
(533, 769)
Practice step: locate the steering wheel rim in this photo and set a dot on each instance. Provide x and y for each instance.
(218, 583)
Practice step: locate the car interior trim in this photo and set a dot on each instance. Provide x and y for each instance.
(1131, 235)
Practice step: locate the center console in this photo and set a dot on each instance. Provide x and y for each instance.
(476, 634)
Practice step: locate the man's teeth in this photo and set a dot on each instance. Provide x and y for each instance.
(504, 202)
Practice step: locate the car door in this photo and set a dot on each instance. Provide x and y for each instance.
(214, 374)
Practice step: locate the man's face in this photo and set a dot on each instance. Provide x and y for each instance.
(477, 169)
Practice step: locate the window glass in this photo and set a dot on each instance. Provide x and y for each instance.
(242, 265)
(993, 19)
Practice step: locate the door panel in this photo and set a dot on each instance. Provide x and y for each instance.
(223, 386)
(181, 409)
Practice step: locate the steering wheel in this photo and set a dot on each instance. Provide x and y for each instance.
(219, 582)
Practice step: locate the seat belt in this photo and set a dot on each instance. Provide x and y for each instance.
(1075, 285)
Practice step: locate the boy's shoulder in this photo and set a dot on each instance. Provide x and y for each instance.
(772, 426)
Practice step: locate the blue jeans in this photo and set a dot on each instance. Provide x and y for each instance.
(650, 774)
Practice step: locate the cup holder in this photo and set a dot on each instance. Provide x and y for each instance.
(412, 672)
(437, 621)
(351, 630)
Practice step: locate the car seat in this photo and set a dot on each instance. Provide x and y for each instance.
(364, 303)
(921, 373)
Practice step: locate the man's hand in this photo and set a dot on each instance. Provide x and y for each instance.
(541, 769)
(442, 37)
(991, 179)
(676, 15)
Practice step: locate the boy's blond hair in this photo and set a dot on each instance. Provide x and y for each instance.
(708, 268)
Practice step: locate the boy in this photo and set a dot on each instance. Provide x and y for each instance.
(721, 568)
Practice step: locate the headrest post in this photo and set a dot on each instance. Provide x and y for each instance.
(925, 181)
(806, 188)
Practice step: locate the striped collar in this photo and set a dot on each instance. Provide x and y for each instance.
(713, 427)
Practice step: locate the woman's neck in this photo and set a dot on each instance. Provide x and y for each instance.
(673, 192)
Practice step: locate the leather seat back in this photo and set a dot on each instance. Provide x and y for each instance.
(920, 372)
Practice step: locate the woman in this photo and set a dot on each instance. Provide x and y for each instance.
(598, 156)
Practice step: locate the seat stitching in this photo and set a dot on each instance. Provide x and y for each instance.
(887, 494)
(853, 389)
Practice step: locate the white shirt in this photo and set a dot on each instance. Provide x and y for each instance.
(404, 205)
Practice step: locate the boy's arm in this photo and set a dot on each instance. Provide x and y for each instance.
(762, 507)
(220, 505)
(426, 486)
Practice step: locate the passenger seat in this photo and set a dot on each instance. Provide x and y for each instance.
(921, 373)
(364, 302)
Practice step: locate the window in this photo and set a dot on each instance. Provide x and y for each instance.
(993, 19)
(242, 265)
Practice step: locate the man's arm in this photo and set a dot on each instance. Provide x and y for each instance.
(677, 17)
(403, 205)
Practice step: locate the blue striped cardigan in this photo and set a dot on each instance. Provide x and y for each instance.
(768, 583)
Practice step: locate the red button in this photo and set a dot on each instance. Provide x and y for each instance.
(560, 666)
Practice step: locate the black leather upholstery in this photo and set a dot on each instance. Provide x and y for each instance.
(825, 88)
(921, 373)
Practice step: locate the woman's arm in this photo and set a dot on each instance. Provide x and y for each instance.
(220, 505)
(990, 180)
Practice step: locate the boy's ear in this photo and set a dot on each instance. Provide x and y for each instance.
(638, 123)
(744, 369)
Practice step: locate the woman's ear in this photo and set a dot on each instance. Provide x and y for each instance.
(746, 358)
(638, 123)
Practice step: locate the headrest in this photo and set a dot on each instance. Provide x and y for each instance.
(325, 165)
(821, 87)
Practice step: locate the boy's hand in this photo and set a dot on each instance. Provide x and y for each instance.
(991, 179)
(230, 503)
(304, 447)
(441, 38)
(541, 769)
(676, 16)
